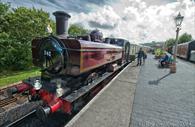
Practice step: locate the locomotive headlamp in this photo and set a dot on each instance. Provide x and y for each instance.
(59, 90)
(37, 85)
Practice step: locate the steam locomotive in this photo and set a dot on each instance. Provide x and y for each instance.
(69, 66)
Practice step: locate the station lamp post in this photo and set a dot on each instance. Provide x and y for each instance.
(178, 21)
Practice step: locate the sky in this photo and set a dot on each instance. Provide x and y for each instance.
(139, 21)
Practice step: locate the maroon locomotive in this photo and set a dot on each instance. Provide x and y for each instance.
(69, 65)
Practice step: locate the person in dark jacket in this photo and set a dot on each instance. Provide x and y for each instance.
(144, 57)
(140, 54)
(164, 59)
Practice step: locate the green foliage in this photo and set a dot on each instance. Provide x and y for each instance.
(18, 76)
(185, 38)
(18, 27)
(153, 44)
(76, 30)
(159, 52)
(170, 42)
(3, 11)
(182, 39)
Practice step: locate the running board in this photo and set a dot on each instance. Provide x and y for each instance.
(85, 89)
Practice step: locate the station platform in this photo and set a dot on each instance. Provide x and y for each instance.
(163, 99)
(145, 96)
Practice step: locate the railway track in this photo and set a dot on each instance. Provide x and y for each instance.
(1, 92)
(7, 101)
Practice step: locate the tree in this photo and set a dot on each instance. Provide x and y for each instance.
(3, 11)
(76, 30)
(18, 27)
(170, 42)
(185, 38)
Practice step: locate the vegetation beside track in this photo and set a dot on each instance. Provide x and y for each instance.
(13, 77)
(18, 26)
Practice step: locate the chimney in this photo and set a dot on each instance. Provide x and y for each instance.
(61, 22)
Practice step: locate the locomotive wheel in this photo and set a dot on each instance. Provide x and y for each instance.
(91, 78)
(40, 113)
(88, 81)
(119, 62)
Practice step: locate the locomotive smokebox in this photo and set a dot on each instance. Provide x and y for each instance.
(61, 23)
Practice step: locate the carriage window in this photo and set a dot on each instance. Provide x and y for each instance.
(120, 42)
(107, 40)
(112, 41)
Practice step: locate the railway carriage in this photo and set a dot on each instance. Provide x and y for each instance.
(133, 51)
(129, 49)
(186, 50)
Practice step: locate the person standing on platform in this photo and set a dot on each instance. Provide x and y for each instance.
(140, 54)
(144, 57)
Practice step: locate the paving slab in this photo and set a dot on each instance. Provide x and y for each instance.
(113, 105)
(163, 99)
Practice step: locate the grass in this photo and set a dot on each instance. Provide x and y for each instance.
(13, 77)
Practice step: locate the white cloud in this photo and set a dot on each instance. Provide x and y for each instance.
(138, 21)
(106, 17)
